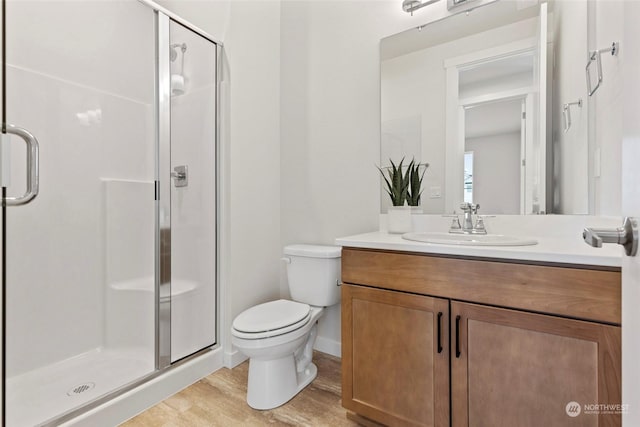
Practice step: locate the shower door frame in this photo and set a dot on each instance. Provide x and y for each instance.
(163, 182)
(162, 268)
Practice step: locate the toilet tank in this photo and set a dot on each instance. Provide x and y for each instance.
(313, 273)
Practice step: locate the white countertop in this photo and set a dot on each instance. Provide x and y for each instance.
(551, 249)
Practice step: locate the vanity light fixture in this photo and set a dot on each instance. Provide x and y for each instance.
(410, 6)
(455, 3)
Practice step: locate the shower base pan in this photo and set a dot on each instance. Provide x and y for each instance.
(48, 392)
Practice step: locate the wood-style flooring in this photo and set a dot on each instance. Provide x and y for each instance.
(220, 400)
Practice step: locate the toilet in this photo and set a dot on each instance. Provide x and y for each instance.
(278, 336)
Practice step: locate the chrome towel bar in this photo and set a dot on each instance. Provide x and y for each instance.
(594, 56)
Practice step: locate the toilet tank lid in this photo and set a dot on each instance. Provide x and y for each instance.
(314, 251)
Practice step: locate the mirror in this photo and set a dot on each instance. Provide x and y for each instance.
(495, 100)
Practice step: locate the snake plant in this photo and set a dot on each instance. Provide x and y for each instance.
(397, 184)
(404, 187)
(415, 182)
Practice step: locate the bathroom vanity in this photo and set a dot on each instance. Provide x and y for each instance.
(436, 334)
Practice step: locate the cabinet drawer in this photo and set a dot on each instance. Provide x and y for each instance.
(580, 293)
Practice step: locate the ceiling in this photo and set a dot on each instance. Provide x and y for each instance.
(493, 118)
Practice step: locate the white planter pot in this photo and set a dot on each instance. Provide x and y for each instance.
(399, 219)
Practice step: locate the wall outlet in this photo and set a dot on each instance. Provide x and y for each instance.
(435, 193)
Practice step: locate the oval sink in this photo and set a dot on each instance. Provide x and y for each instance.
(469, 239)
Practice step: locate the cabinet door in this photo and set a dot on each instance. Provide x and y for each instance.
(511, 368)
(395, 356)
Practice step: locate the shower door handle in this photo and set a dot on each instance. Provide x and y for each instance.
(32, 167)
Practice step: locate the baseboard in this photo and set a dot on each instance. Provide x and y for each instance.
(135, 401)
(233, 359)
(328, 346)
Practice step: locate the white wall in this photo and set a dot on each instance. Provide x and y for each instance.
(570, 149)
(330, 123)
(496, 172)
(253, 48)
(607, 104)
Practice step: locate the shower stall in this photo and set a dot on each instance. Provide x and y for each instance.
(109, 181)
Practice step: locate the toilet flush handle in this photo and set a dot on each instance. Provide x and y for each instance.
(286, 259)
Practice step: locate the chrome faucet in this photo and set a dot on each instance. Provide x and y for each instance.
(468, 226)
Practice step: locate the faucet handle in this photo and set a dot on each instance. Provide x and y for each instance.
(455, 223)
(480, 227)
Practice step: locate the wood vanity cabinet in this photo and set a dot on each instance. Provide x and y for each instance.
(438, 341)
(397, 356)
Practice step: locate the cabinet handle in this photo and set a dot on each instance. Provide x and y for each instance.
(458, 353)
(439, 332)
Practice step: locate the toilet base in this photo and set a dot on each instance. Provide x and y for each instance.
(305, 378)
(273, 383)
(281, 366)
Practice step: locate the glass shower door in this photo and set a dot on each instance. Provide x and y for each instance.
(192, 165)
(80, 307)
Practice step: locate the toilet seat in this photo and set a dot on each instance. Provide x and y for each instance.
(271, 319)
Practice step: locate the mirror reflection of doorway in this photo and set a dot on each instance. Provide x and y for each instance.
(468, 177)
(495, 137)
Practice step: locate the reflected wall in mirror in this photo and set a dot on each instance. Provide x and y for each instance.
(483, 98)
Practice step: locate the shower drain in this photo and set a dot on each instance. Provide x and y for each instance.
(79, 389)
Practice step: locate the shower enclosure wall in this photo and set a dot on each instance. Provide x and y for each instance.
(109, 273)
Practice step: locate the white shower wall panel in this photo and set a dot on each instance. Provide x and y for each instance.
(193, 220)
(65, 288)
(106, 45)
(129, 239)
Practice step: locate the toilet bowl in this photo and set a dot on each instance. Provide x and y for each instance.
(278, 336)
(280, 358)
